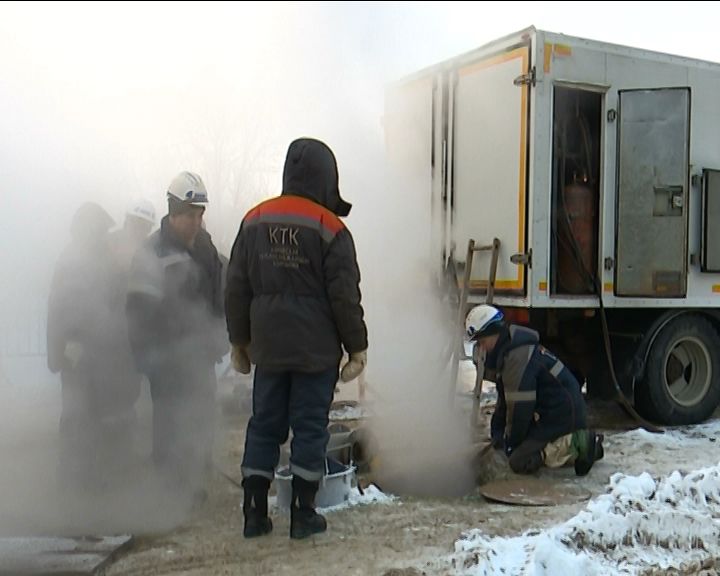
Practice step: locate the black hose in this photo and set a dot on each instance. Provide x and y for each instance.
(594, 284)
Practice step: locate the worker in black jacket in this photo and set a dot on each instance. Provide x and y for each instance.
(81, 347)
(293, 304)
(540, 417)
(177, 334)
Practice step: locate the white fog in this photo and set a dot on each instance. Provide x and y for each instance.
(107, 102)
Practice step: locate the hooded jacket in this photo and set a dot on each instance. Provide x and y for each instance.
(293, 286)
(80, 294)
(538, 396)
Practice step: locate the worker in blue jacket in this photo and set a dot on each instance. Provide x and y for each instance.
(540, 416)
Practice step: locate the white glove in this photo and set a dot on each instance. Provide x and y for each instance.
(354, 367)
(74, 351)
(240, 359)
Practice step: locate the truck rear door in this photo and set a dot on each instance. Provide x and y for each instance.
(489, 120)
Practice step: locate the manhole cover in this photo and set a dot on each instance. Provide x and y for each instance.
(533, 492)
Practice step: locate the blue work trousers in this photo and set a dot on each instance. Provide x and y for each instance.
(284, 400)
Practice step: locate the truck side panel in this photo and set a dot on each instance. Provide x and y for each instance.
(610, 70)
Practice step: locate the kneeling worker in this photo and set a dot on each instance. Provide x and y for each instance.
(540, 416)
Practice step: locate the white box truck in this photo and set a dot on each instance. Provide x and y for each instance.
(597, 167)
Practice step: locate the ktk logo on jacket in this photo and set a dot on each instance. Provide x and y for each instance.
(283, 235)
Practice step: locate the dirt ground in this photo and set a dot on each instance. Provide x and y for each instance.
(413, 535)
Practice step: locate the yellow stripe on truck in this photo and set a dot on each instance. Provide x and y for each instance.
(560, 50)
(499, 284)
(547, 57)
(522, 188)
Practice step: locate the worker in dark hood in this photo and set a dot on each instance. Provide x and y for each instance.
(79, 345)
(311, 172)
(176, 329)
(293, 304)
(540, 416)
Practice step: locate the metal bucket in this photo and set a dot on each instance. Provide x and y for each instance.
(334, 488)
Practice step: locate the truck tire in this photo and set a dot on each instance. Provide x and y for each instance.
(682, 375)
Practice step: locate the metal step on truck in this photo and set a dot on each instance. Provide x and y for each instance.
(596, 170)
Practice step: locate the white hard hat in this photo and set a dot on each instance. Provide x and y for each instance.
(142, 209)
(188, 187)
(483, 320)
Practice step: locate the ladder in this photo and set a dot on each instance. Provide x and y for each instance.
(458, 349)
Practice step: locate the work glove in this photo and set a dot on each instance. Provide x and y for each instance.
(354, 366)
(240, 359)
(74, 351)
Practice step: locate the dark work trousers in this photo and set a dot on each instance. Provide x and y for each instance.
(96, 434)
(184, 424)
(528, 456)
(80, 427)
(285, 400)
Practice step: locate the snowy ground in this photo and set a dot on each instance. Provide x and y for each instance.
(666, 522)
(658, 512)
(654, 510)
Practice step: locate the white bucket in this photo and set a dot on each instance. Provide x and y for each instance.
(334, 488)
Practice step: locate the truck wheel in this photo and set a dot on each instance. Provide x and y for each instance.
(682, 375)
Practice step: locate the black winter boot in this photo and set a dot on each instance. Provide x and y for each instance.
(255, 506)
(590, 449)
(304, 521)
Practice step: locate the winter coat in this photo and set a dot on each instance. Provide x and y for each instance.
(538, 397)
(123, 246)
(79, 307)
(174, 303)
(79, 302)
(85, 308)
(293, 287)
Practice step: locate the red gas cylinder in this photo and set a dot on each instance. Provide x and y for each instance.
(577, 239)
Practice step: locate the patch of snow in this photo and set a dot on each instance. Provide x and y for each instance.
(671, 523)
(349, 412)
(371, 495)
